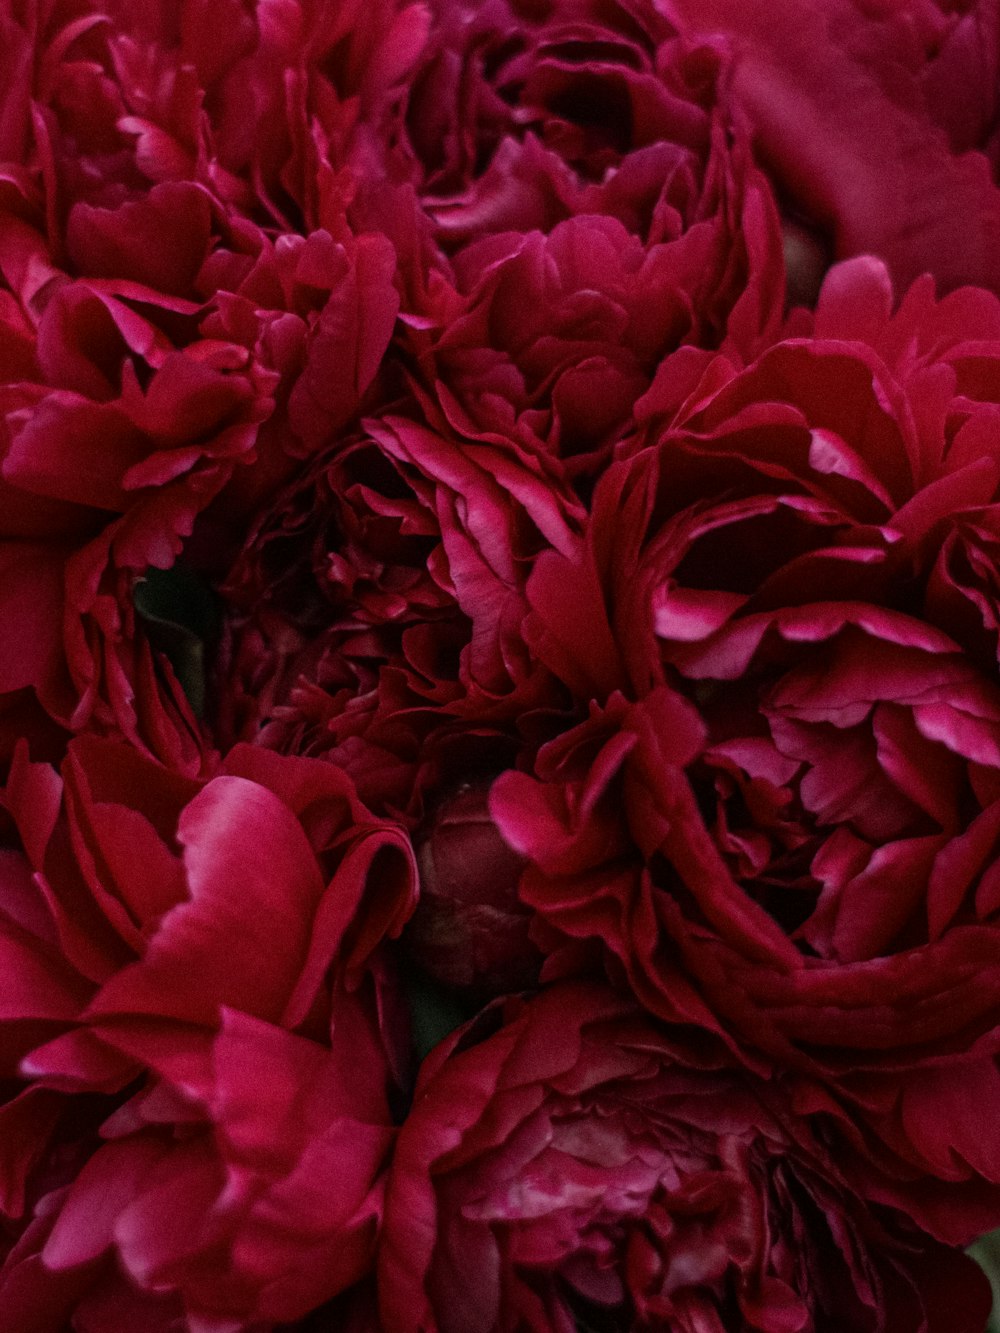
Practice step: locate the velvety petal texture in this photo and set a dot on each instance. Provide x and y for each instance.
(499, 665)
(779, 804)
(195, 1011)
(568, 1164)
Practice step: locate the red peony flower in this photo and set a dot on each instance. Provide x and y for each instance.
(199, 1038)
(519, 116)
(375, 614)
(129, 413)
(261, 105)
(545, 342)
(165, 352)
(470, 930)
(124, 413)
(778, 812)
(921, 193)
(410, 390)
(578, 1167)
(586, 171)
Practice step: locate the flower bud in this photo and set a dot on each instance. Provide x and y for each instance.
(470, 929)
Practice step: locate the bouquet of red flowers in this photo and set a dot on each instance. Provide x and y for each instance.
(499, 665)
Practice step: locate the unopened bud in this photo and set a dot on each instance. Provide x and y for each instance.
(470, 929)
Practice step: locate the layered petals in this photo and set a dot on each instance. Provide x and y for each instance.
(571, 1164)
(198, 1013)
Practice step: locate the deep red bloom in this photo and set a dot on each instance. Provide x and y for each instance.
(125, 411)
(129, 413)
(577, 1167)
(376, 611)
(921, 193)
(470, 929)
(200, 1023)
(442, 352)
(586, 172)
(165, 350)
(778, 812)
(518, 116)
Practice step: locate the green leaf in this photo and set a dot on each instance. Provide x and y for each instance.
(434, 1011)
(986, 1252)
(181, 616)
